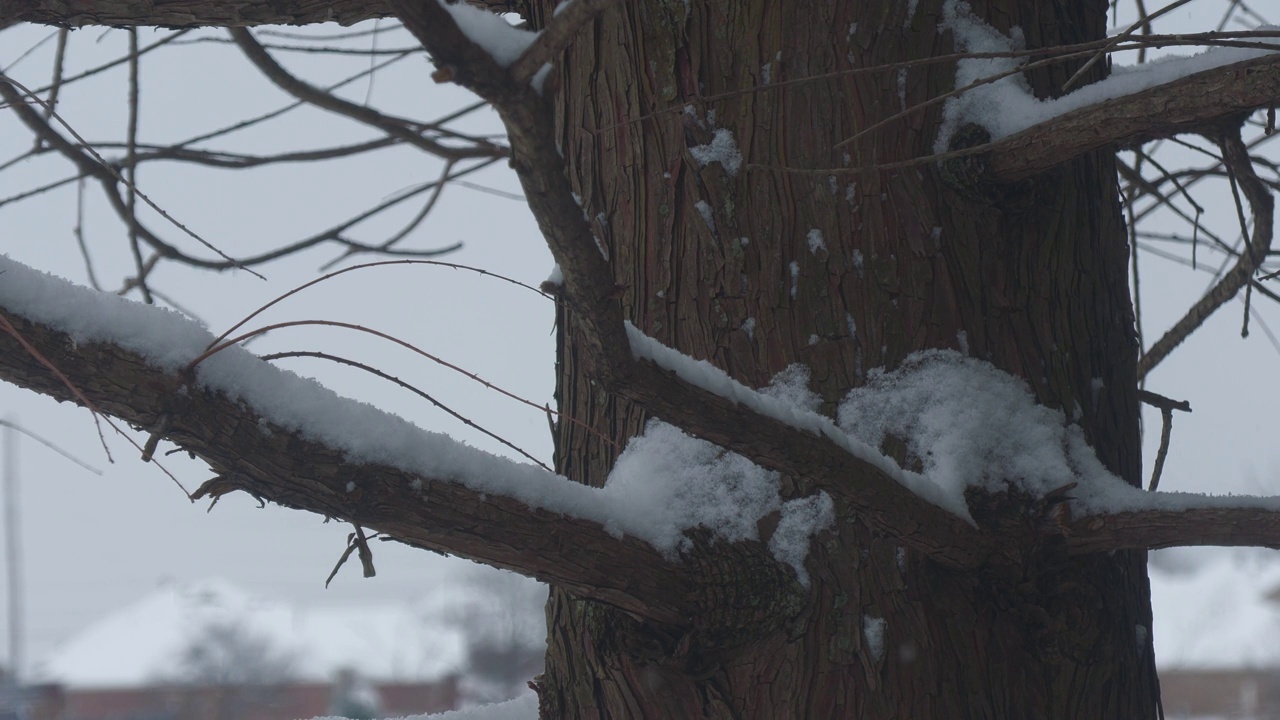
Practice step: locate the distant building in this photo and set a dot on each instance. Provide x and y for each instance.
(209, 651)
(1217, 633)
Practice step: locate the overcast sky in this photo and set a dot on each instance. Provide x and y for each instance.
(92, 544)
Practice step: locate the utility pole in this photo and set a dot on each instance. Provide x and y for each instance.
(13, 551)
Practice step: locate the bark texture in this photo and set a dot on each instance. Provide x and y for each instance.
(724, 266)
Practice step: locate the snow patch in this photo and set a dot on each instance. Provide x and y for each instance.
(873, 631)
(801, 519)
(722, 149)
(505, 42)
(704, 209)
(791, 386)
(816, 242)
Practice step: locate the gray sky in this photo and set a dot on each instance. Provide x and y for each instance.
(92, 544)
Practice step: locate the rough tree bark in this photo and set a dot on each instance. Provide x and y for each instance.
(1031, 277)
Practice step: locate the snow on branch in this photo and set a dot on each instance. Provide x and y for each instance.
(289, 440)
(1158, 99)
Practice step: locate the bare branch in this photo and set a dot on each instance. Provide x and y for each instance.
(1236, 157)
(191, 13)
(1153, 529)
(395, 127)
(1208, 99)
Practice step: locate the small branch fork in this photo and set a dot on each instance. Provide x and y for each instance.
(1166, 406)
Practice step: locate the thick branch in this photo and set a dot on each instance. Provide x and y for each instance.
(247, 452)
(1207, 99)
(203, 13)
(1153, 529)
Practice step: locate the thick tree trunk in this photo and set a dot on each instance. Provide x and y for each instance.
(1030, 277)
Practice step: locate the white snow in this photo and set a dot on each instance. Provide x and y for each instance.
(711, 378)
(749, 327)
(539, 79)
(858, 261)
(722, 149)
(680, 482)
(791, 386)
(794, 268)
(801, 519)
(816, 241)
(970, 424)
(1007, 106)
(557, 275)
(873, 631)
(505, 42)
(704, 209)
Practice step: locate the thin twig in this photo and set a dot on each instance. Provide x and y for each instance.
(420, 393)
(101, 168)
(131, 169)
(409, 346)
(1143, 22)
(1166, 431)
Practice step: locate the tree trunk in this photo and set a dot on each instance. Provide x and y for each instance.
(1030, 277)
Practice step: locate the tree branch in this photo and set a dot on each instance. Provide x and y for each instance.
(248, 452)
(1236, 158)
(1153, 529)
(395, 127)
(1194, 103)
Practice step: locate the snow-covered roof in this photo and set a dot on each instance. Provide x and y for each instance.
(143, 642)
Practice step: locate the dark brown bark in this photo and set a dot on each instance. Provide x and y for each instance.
(1030, 277)
(204, 13)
